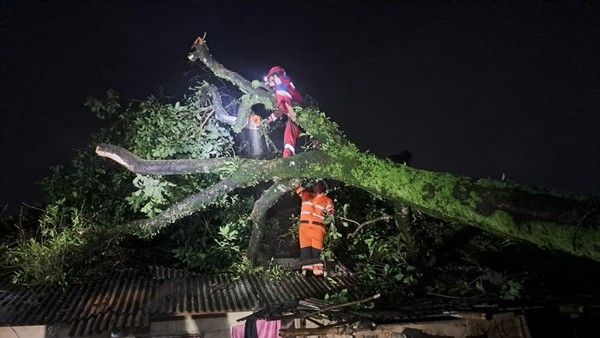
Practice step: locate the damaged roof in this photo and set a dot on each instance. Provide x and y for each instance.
(129, 299)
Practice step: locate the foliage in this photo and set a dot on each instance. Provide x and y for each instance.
(80, 232)
(272, 272)
(151, 196)
(511, 290)
(90, 186)
(65, 240)
(214, 242)
(87, 203)
(339, 297)
(43, 258)
(164, 131)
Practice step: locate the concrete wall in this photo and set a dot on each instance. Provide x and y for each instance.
(37, 331)
(210, 325)
(213, 325)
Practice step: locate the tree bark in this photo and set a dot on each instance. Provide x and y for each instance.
(163, 167)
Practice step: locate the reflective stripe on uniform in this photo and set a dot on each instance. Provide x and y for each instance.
(304, 221)
(283, 93)
(315, 207)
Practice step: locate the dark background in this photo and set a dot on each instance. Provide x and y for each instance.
(473, 89)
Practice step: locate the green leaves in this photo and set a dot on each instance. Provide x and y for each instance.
(152, 195)
(228, 235)
(340, 297)
(106, 107)
(164, 131)
(45, 258)
(511, 290)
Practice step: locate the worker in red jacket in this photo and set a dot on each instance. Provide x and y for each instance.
(316, 205)
(286, 96)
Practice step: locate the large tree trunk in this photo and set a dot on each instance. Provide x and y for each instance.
(546, 219)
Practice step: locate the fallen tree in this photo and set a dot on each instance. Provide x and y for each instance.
(549, 220)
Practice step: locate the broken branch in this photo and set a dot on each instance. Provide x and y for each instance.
(137, 165)
(362, 225)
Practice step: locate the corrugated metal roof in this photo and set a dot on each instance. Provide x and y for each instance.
(129, 299)
(202, 294)
(114, 302)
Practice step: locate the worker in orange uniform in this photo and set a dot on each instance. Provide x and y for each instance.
(286, 95)
(316, 205)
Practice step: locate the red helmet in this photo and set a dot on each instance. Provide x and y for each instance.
(274, 70)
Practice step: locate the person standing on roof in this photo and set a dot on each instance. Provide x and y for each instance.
(285, 95)
(316, 206)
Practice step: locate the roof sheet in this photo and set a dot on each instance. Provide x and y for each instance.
(129, 299)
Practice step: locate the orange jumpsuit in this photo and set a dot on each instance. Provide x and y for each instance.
(312, 218)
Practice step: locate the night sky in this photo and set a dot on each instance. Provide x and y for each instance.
(472, 89)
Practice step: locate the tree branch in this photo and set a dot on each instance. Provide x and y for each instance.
(362, 225)
(251, 97)
(547, 220)
(259, 212)
(339, 306)
(186, 207)
(217, 104)
(202, 54)
(243, 172)
(162, 167)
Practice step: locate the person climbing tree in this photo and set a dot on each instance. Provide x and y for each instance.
(285, 95)
(316, 205)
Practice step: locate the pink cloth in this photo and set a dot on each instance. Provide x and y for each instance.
(264, 328)
(237, 331)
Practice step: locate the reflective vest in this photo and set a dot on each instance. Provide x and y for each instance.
(314, 207)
